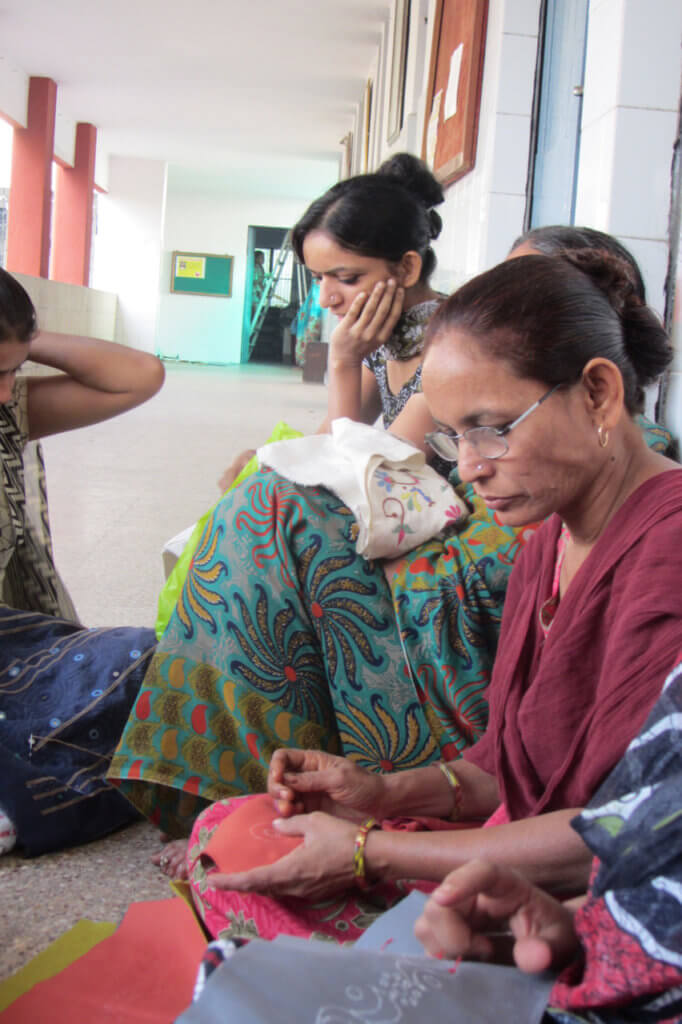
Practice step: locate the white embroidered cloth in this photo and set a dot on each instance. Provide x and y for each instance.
(397, 499)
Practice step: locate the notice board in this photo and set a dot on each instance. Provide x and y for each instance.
(201, 273)
(454, 91)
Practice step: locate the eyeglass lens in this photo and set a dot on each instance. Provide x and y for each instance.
(485, 440)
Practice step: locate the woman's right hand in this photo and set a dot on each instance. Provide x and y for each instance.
(97, 379)
(302, 781)
(469, 912)
(368, 324)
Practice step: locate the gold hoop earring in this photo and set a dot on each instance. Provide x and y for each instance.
(603, 436)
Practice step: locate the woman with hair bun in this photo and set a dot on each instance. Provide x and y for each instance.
(559, 239)
(368, 243)
(556, 239)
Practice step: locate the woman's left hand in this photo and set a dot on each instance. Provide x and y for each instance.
(322, 866)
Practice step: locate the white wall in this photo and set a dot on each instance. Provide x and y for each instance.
(127, 253)
(483, 212)
(629, 126)
(380, 74)
(629, 129)
(64, 137)
(631, 98)
(216, 220)
(14, 84)
(409, 138)
(13, 92)
(101, 165)
(70, 308)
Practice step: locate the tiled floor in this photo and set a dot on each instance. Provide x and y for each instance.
(117, 492)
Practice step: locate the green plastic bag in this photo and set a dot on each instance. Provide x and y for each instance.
(175, 582)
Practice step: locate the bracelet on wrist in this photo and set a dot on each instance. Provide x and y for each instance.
(456, 787)
(359, 869)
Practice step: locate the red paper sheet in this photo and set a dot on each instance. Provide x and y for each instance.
(143, 974)
(246, 838)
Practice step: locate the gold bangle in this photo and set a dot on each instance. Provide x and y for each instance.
(456, 787)
(359, 873)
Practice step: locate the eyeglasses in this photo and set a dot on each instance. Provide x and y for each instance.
(487, 442)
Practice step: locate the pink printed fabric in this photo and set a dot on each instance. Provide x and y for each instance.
(249, 915)
(498, 817)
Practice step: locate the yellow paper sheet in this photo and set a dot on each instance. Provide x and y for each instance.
(184, 891)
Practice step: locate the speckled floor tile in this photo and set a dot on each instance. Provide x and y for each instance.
(42, 897)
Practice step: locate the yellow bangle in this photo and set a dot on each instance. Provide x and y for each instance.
(359, 873)
(456, 786)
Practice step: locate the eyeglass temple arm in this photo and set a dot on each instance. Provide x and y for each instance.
(533, 407)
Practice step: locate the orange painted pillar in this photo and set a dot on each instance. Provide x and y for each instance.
(72, 218)
(30, 200)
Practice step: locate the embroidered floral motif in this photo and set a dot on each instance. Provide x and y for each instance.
(398, 992)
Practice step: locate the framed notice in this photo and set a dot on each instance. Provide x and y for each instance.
(454, 91)
(201, 273)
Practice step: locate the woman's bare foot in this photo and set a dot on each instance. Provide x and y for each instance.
(172, 859)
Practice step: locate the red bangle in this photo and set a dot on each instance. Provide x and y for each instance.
(359, 873)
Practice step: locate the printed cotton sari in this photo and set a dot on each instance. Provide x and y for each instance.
(285, 636)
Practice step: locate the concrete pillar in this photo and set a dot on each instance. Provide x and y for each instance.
(72, 221)
(28, 228)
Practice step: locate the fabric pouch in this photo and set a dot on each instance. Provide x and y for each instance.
(397, 499)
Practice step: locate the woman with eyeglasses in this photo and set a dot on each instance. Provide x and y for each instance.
(534, 372)
(284, 635)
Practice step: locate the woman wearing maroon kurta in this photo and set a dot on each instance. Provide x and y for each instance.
(534, 373)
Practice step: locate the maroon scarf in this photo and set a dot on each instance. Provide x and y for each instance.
(563, 709)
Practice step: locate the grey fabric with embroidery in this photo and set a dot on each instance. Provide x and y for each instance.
(298, 980)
